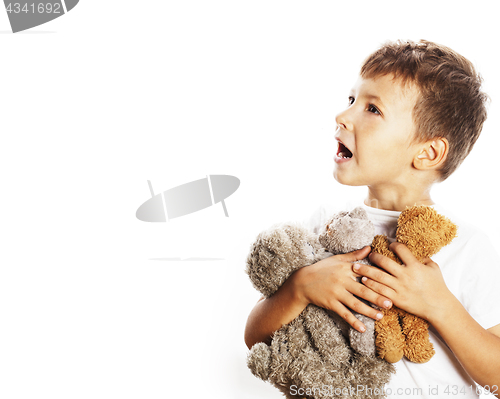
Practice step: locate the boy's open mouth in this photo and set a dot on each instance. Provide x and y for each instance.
(343, 151)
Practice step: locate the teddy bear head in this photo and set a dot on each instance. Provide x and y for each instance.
(424, 231)
(347, 232)
(278, 252)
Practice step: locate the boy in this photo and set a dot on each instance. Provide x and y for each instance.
(413, 116)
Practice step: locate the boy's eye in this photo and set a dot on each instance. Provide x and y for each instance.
(372, 108)
(351, 100)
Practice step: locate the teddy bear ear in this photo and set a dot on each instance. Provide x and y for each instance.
(359, 213)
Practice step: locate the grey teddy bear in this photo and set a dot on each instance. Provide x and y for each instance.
(317, 352)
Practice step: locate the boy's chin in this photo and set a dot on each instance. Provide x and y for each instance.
(344, 180)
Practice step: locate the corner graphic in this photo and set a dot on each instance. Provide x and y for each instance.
(27, 14)
(188, 198)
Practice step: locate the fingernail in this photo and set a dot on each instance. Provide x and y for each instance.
(387, 304)
(364, 279)
(356, 266)
(362, 328)
(379, 315)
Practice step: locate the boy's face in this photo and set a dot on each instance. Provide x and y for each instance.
(375, 134)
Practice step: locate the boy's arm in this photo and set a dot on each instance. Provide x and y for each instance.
(477, 349)
(419, 288)
(495, 330)
(269, 314)
(329, 283)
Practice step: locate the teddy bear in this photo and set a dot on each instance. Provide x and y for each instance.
(399, 333)
(317, 351)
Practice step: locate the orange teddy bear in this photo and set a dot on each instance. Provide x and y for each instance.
(399, 333)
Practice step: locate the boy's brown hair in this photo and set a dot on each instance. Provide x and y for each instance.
(450, 105)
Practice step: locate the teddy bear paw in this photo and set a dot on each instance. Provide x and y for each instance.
(419, 353)
(259, 360)
(393, 356)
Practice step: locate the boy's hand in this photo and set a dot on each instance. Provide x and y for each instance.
(331, 284)
(417, 287)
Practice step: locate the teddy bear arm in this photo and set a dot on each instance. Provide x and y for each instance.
(389, 340)
(418, 348)
(326, 336)
(381, 244)
(363, 342)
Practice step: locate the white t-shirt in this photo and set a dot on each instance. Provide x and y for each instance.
(471, 270)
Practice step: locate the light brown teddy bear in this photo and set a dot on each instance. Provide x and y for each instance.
(399, 333)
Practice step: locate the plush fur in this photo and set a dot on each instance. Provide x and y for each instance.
(313, 350)
(399, 333)
(346, 232)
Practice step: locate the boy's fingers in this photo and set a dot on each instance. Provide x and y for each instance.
(382, 276)
(377, 287)
(382, 261)
(346, 314)
(371, 296)
(402, 252)
(429, 262)
(355, 255)
(364, 309)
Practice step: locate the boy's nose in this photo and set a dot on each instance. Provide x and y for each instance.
(343, 121)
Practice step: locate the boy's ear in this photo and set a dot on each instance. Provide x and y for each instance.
(432, 154)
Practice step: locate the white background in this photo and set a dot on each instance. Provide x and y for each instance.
(114, 93)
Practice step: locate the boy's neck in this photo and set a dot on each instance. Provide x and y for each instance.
(391, 201)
